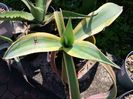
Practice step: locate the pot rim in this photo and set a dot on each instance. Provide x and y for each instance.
(124, 94)
(130, 53)
(5, 6)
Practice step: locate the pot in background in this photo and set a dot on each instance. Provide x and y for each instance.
(6, 28)
(128, 95)
(123, 76)
(3, 6)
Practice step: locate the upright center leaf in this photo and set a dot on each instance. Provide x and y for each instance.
(66, 33)
(68, 36)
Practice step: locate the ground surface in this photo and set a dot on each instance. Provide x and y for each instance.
(13, 86)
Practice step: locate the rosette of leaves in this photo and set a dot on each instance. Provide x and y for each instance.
(38, 15)
(37, 11)
(71, 42)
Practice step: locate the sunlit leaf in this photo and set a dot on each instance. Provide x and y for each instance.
(87, 50)
(59, 22)
(100, 19)
(33, 43)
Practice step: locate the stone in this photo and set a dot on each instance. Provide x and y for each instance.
(100, 84)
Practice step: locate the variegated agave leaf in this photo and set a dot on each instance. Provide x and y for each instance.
(101, 18)
(16, 15)
(37, 10)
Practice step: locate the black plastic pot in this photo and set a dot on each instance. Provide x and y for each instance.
(123, 76)
(125, 94)
(3, 6)
(6, 28)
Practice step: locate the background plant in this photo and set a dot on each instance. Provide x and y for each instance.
(37, 12)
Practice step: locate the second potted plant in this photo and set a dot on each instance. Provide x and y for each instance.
(125, 75)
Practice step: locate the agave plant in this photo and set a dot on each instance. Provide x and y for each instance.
(38, 15)
(71, 42)
(37, 11)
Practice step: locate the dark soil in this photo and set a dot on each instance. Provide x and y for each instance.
(13, 86)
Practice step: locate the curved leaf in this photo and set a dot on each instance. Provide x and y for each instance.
(33, 43)
(87, 50)
(7, 39)
(16, 15)
(47, 5)
(104, 16)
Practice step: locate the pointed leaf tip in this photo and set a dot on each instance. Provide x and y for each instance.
(87, 50)
(104, 16)
(33, 43)
(68, 36)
